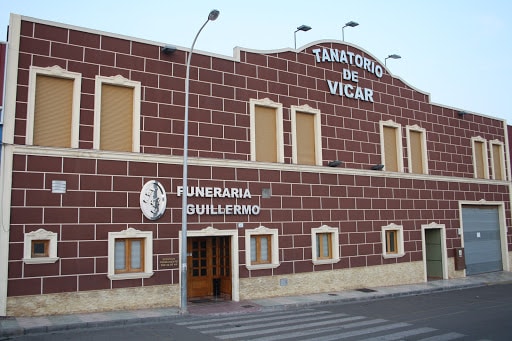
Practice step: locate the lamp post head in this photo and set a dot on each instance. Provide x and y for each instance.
(303, 28)
(351, 24)
(392, 56)
(214, 14)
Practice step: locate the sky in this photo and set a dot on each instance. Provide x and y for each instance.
(458, 51)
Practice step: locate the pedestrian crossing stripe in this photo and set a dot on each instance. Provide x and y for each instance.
(317, 324)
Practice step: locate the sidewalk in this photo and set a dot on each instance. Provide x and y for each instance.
(15, 326)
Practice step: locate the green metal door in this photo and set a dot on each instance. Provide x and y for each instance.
(434, 257)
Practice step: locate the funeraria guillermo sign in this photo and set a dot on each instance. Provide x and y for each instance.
(350, 58)
(218, 192)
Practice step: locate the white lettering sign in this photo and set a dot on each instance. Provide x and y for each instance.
(215, 192)
(218, 192)
(350, 58)
(342, 56)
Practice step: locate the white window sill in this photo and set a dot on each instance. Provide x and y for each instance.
(262, 266)
(325, 261)
(42, 260)
(135, 275)
(393, 255)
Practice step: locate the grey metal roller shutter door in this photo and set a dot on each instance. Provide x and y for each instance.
(482, 241)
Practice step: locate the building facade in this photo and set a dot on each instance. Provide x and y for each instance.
(309, 170)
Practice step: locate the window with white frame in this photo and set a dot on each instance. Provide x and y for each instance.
(391, 146)
(306, 135)
(417, 150)
(53, 107)
(325, 245)
(392, 237)
(480, 162)
(40, 247)
(261, 248)
(266, 131)
(117, 114)
(497, 160)
(130, 254)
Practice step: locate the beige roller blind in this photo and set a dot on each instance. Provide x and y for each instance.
(390, 149)
(266, 134)
(305, 138)
(479, 159)
(53, 111)
(116, 126)
(497, 158)
(416, 152)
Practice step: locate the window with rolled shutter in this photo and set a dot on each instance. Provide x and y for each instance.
(53, 111)
(498, 171)
(266, 134)
(306, 142)
(116, 127)
(417, 154)
(117, 114)
(390, 149)
(480, 165)
(53, 107)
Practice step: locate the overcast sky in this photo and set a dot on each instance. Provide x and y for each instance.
(459, 51)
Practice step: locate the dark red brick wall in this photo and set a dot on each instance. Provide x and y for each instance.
(93, 206)
(102, 195)
(220, 90)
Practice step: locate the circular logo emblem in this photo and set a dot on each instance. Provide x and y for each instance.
(153, 200)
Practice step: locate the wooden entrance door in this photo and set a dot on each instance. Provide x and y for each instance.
(209, 267)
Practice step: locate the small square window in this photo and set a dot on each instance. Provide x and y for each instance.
(40, 248)
(392, 241)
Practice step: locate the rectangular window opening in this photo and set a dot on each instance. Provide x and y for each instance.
(53, 111)
(266, 134)
(416, 152)
(116, 125)
(390, 149)
(129, 255)
(306, 142)
(261, 249)
(324, 245)
(391, 241)
(479, 160)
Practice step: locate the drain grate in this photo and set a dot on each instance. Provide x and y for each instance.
(248, 306)
(332, 294)
(366, 290)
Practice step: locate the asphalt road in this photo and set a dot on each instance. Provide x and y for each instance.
(483, 313)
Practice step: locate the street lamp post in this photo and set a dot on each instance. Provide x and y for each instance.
(304, 28)
(349, 24)
(214, 14)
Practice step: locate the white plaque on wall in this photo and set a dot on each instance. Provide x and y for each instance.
(153, 200)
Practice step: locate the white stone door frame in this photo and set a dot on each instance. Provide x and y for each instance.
(444, 256)
(210, 231)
